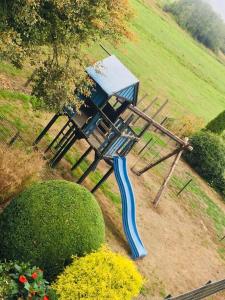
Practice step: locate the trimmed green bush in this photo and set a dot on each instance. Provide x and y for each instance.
(217, 125)
(48, 223)
(208, 158)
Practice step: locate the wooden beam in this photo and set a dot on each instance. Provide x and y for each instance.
(146, 109)
(152, 122)
(151, 165)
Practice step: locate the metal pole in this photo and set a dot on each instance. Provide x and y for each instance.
(68, 136)
(62, 141)
(105, 49)
(184, 187)
(13, 139)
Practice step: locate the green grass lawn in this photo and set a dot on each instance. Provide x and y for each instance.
(171, 64)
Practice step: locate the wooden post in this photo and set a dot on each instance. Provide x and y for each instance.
(46, 129)
(166, 180)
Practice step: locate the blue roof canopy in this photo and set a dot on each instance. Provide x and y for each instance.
(115, 79)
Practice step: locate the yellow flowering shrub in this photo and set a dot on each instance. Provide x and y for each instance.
(100, 275)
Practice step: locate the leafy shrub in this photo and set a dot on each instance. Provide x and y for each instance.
(100, 275)
(217, 125)
(21, 281)
(17, 170)
(208, 158)
(48, 223)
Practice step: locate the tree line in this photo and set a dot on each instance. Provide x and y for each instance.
(201, 21)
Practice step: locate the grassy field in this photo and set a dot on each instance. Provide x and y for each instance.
(171, 64)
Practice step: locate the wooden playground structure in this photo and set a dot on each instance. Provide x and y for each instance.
(107, 122)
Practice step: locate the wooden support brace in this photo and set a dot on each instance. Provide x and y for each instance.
(151, 165)
(166, 180)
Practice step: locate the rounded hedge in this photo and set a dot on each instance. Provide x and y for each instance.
(48, 223)
(208, 158)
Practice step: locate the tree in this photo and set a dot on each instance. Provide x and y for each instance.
(53, 34)
(217, 125)
(201, 21)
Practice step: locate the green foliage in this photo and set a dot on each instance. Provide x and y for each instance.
(22, 281)
(52, 34)
(217, 125)
(201, 21)
(208, 158)
(100, 275)
(48, 223)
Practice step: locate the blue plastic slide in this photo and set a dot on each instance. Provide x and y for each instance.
(128, 208)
